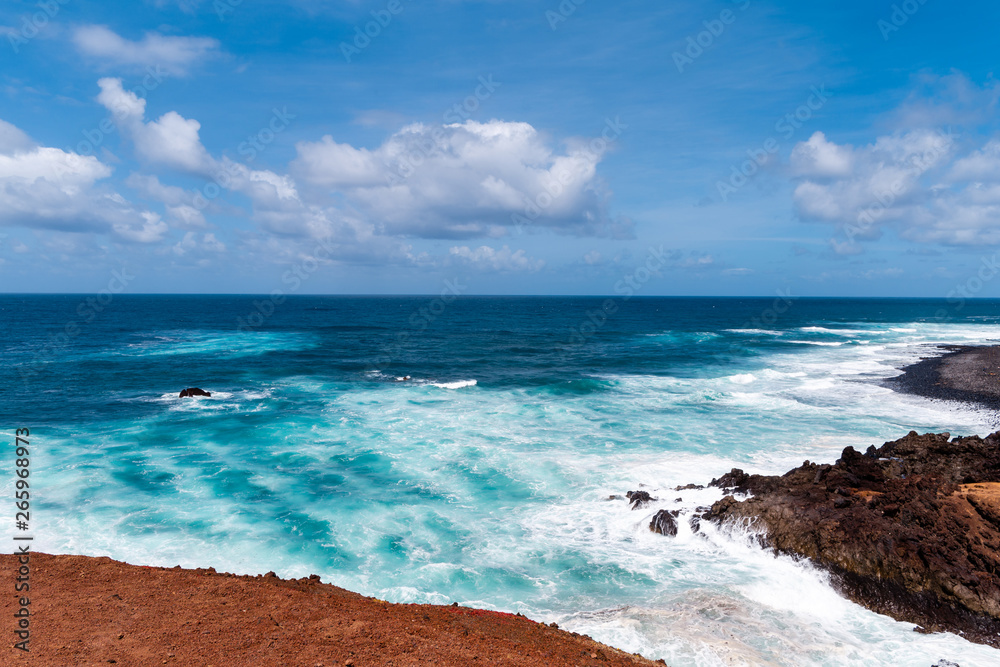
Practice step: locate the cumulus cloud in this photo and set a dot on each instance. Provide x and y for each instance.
(171, 140)
(928, 185)
(48, 188)
(174, 54)
(464, 180)
(485, 258)
(150, 230)
(891, 181)
(821, 158)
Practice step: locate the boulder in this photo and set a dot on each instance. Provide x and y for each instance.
(665, 522)
(639, 498)
(194, 391)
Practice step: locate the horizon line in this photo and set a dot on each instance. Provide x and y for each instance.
(508, 296)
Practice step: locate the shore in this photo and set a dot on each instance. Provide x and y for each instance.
(910, 529)
(964, 373)
(90, 611)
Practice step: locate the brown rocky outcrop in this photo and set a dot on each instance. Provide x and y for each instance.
(910, 529)
(96, 611)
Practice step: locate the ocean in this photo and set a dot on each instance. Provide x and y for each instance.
(486, 477)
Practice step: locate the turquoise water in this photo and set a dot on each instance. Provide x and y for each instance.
(484, 478)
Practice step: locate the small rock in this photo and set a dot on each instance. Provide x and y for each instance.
(639, 498)
(664, 522)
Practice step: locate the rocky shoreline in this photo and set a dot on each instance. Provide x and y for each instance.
(910, 529)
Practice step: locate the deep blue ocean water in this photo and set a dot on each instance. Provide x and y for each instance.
(485, 477)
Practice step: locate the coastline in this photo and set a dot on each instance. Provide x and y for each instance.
(965, 373)
(910, 529)
(96, 610)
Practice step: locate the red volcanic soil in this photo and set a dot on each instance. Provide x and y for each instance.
(96, 611)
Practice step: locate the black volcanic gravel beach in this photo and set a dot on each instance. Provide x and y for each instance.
(965, 373)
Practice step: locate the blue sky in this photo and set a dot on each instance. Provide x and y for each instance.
(520, 147)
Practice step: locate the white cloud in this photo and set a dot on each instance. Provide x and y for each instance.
(151, 230)
(171, 140)
(982, 165)
(464, 180)
(486, 258)
(821, 158)
(150, 186)
(186, 217)
(888, 182)
(454, 181)
(339, 165)
(175, 55)
(190, 243)
(47, 188)
(69, 172)
(929, 186)
(13, 140)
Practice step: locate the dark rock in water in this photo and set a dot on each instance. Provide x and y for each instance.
(665, 522)
(910, 529)
(686, 487)
(695, 523)
(945, 663)
(639, 498)
(194, 391)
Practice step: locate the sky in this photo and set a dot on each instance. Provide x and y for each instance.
(742, 147)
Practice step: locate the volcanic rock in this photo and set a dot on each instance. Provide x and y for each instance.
(910, 529)
(639, 498)
(665, 522)
(194, 391)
